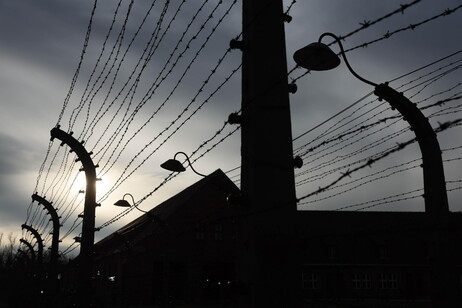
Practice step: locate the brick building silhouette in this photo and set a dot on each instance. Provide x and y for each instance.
(183, 253)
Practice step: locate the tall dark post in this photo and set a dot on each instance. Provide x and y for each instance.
(88, 227)
(53, 268)
(436, 200)
(31, 249)
(265, 263)
(445, 278)
(34, 267)
(39, 260)
(39, 240)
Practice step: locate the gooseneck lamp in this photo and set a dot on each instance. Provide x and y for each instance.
(176, 166)
(124, 203)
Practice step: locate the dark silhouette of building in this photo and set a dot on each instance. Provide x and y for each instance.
(374, 259)
(183, 253)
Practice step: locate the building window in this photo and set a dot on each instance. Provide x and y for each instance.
(309, 281)
(383, 253)
(361, 281)
(388, 281)
(218, 232)
(332, 252)
(200, 232)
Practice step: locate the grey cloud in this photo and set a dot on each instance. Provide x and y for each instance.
(14, 155)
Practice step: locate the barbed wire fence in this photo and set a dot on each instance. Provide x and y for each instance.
(154, 78)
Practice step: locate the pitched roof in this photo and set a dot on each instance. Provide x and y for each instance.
(161, 213)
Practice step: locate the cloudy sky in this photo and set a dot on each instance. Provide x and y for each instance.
(134, 114)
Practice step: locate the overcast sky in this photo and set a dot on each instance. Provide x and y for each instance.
(41, 45)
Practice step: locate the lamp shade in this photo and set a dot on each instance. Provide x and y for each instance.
(122, 203)
(173, 165)
(316, 57)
